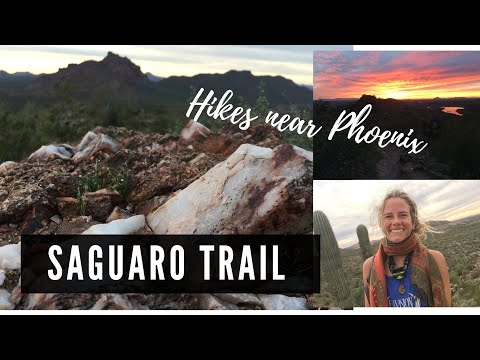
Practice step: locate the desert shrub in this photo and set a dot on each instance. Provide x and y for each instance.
(119, 180)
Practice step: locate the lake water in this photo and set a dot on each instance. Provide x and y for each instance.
(452, 110)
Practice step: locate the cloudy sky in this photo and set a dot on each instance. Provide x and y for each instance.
(349, 203)
(396, 74)
(291, 61)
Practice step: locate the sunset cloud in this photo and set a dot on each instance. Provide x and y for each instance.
(349, 74)
(350, 203)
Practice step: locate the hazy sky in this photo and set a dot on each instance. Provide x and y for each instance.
(348, 203)
(396, 74)
(291, 61)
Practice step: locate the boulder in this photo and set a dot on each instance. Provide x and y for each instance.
(76, 225)
(282, 302)
(93, 143)
(5, 167)
(250, 300)
(37, 218)
(10, 256)
(194, 132)
(118, 227)
(19, 201)
(67, 206)
(148, 206)
(64, 152)
(211, 302)
(99, 204)
(112, 302)
(163, 179)
(117, 214)
(5, 303)
(255, 191)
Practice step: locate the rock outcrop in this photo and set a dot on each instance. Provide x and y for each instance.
(255, 191)
(229, 182)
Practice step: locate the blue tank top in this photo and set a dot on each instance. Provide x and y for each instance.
(409, 297)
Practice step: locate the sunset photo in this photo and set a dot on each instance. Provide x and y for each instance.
(433, 96)
(396, 74)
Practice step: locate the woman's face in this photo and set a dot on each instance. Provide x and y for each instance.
(397, 222)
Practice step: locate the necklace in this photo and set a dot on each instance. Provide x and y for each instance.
(400, 273)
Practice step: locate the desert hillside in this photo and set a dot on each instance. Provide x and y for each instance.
(459, 241)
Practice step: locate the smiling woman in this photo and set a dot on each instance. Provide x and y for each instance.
(403, 272)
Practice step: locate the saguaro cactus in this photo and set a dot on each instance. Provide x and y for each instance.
(331, 262)
(364, 241)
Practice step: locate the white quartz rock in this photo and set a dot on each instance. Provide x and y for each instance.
(118, 227)
(5, 303)
(10, 256)
(47, 151)
(93, 143)
(5, 165)
(194, 131)
(255, 191)
(282, 302)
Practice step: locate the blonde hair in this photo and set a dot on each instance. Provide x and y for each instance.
(420, 228)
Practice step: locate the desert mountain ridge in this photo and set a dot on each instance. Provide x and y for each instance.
(114, 71)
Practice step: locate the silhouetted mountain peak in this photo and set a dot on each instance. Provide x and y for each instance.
(113, 56)
(4, 73)
(239, 73)
(87, 75)
(371, 99)
(123, 67)
(113, 60)
(368, 98)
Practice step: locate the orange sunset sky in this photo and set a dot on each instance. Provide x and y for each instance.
(396, 74)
